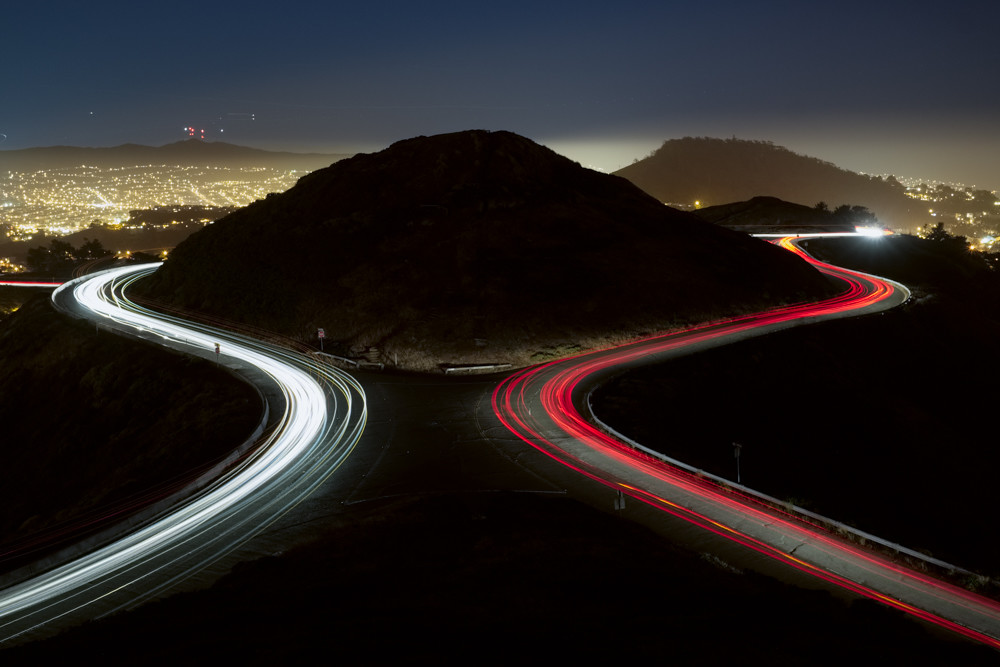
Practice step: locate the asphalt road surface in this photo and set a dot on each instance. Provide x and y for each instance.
(530, 432)
(547, 407)
(317, 415)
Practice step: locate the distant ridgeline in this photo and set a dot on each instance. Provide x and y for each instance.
(188, 152)
(162, 216)
(693, 172)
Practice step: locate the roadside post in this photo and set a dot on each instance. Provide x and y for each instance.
(736, 452)
(321, 334)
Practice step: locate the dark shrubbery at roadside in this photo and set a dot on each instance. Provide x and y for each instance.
(91, 420)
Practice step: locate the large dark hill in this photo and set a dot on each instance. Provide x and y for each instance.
(180, 153)
(718, 171)
(469, 248)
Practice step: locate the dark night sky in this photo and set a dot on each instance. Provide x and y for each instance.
(903, 87)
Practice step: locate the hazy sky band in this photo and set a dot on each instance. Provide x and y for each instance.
(893, 86)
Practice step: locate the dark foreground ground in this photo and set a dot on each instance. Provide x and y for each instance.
(497, 579)
(492, 578)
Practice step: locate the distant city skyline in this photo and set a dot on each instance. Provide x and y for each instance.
(885, 87)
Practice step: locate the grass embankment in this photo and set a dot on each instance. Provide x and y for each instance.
(94, 423)
(12, 298)
(878, 422)
(498, 579)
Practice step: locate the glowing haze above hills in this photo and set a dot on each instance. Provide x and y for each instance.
(887, 87)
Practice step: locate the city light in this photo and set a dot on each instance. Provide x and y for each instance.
(63, 201)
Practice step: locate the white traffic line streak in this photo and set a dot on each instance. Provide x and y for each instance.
(315, 435)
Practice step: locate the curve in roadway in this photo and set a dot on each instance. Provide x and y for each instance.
(547, 408)
(325, 414)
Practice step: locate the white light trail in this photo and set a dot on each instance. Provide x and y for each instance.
(305, 448)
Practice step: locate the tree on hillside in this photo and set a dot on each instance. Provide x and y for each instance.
(92, 249)
(60, 250)
(935, 233)
(939, 234)
(855, 215)
(38, 258)
(60, 254)
(950, 243)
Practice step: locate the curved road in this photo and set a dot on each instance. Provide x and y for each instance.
(542, 409)
(321, 417)
(547, 408)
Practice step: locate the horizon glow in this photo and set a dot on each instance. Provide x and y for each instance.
(881, 88)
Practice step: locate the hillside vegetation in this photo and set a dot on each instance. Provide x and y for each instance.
(719, 171)
(471, 247)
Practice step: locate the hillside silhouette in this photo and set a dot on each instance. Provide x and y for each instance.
(471, 247)
(719, 171)
(770, 214)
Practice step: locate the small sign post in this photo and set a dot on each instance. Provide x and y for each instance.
(736, 452)
(321, 334)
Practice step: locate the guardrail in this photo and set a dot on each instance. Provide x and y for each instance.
(850, 532)
(475, 369)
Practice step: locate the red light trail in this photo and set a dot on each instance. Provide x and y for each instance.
(558, 428)
(15, 283)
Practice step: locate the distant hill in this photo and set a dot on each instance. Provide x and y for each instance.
(191, 152)
(770, 214)
(471, 247)
(719, 171)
